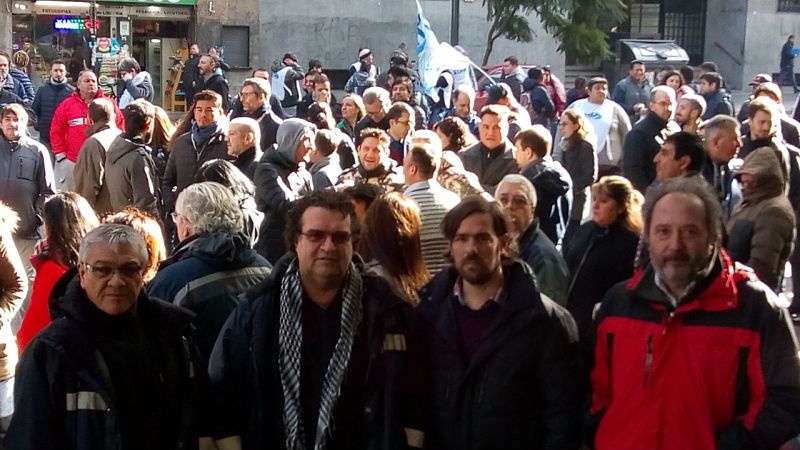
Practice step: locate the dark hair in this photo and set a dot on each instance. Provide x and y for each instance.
(635, 62)
(391, 236)
(147, 226)
(536, 73)
(496, 110)
(470, 205)
(58, 61)
(688, 73)
(712, 78)
(137, 115)
(225, 173)
(580, 82)
(536, 138)
(398, 72)
(364, 192)
(320, 115)
(258, 69)
(101, 113)
(321, 78)
(690, 186)
(377, 133)
(688, 144)
(405, 82)
(326, 141)
(709, 66)
(206, 95)
(457, 132)
(314, 64)
(67, 218)
(215, 61)
(670, 74)
(397, 110)
(513, 60)
(763, 104)
(424, 157)
(622, 191)
(330, 200)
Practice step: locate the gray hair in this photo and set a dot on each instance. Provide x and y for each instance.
(114, 234)
(527, 186)
(260, 86)
(665, 89)
(693, 186)
(210, 207)
(714, 125)
(377, 94)
(697, 101)
(252, 127)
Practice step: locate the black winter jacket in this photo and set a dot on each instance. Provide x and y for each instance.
(640, 148)
(47, 99)
(185, 160)
(376, 399)
(554, 195)
(206, 275)
(268, 123)
(522, 389)
(718, 102)
(64, 393)
(489, 166)
(218, 84)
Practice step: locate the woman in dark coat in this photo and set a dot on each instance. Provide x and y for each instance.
(579, 159)
(602, 252)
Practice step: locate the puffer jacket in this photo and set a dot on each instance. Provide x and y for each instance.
(24, 81)
(718, 102)
(47, 99)
(279, 181)
(70, 121)
(65, 395)
(206, 275)
(762, 228)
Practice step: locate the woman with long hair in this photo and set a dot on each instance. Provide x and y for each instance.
(579, 159)
(455, 136)
(352, 111)
(390, 243)
(675, 80)
(163, 130)
(603, 250)
(226, 174)
(150, 229)
(67, 218)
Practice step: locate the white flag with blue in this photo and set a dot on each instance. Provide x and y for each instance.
(426, 47)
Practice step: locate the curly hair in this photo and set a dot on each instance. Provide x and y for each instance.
(150, 229)
(457, 132)
(210, 207)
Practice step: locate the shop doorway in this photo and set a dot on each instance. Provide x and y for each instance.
(155, 44)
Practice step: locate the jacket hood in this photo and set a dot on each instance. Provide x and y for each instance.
(122, 146)
(290, 133)
(217, 248)
(763, 164)
(549, 178)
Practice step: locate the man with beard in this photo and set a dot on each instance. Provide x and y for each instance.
(254, 97)
(48, 97)
(374, 164)
(212, 80)
(693, 351)
(501, 359)
(191, 74)
(691, 108)
(403, 91)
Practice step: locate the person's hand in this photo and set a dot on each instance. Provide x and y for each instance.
(126, 76)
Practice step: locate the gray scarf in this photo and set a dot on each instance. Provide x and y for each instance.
(290, 339)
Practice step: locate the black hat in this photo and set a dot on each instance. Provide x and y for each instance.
(291, 56)
(494, 93)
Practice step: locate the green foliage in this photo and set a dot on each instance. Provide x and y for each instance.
(573, 23)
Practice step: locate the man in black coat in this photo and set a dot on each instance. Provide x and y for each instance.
(48, 97)
(320, 355)
(493, 157)
(645, 138)
(117, 369)
(243, 136)
(787, 64)
(190, 80)
(536, 99)
(213, 80)
(502, 360)
(254, 97)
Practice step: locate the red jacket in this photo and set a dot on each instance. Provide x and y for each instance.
(37, 316)
(718, 372)
(70, 121)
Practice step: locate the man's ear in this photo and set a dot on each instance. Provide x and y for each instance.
(684, 162)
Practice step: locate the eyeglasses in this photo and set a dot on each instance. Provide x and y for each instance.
(319, 236)
(103, 272)
(245, 94)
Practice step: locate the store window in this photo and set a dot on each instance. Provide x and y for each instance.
(236, 44)
(789, 6)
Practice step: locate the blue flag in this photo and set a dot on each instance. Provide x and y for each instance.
(426, 47)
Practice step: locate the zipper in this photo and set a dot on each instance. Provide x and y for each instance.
(648, 361)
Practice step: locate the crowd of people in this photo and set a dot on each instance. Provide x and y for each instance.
(284, 269)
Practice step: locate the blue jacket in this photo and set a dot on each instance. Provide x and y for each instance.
(47, 99)
(627, 93)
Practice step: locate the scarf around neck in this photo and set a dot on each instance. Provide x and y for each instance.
(290, 339)
(201, 135)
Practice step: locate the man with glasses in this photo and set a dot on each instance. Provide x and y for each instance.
(377, 102)
(320, 353)
(254, 97)
(213, 263)
(116, 366)
(646, 137)
(401, 122)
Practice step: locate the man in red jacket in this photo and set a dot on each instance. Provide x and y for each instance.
(693, 352)
(68, 129)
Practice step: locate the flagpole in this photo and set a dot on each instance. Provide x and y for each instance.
(455, 14)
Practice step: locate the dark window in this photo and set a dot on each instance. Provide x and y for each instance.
(789, 6)
(236, 42)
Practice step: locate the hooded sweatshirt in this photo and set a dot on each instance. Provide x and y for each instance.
(130, 176)
(761, 229)
(279, 181)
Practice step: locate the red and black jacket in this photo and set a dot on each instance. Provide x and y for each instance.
(720, 371)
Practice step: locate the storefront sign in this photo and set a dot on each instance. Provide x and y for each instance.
(74, 23)
(77, 9)
(155, 2)
(112, 10)
(160, 12)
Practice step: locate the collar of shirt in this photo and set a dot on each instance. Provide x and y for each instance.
(675, 301)
(458, 293)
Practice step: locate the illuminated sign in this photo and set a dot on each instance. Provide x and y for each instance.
(74, 24)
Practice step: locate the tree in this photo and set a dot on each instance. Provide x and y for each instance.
(574, 24)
